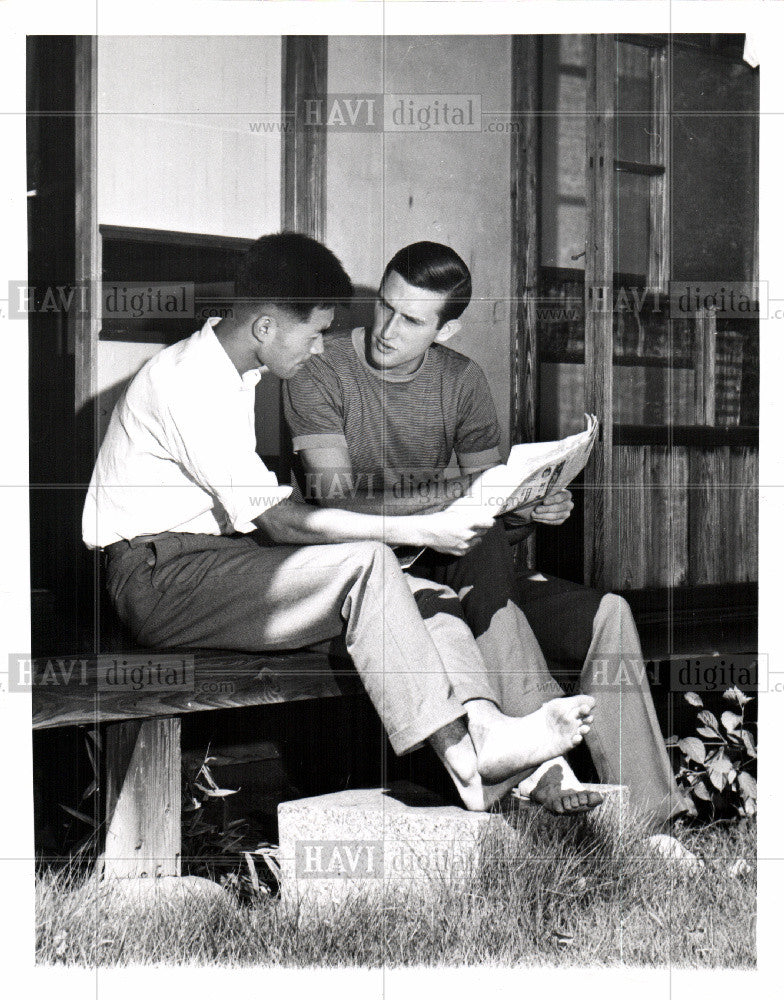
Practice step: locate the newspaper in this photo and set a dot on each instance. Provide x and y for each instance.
(533, 471)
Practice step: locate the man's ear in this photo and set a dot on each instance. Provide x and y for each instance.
(449, 329)
(263, 328)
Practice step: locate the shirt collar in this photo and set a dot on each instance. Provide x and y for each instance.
(222, 364)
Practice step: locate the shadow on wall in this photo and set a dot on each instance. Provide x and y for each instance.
(360, 310)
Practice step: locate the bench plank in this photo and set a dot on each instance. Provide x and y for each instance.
(85, 691)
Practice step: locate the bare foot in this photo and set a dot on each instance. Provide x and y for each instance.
(456, 752)
(554, 786)
(506, 745)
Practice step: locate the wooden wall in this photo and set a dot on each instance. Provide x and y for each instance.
(686, 515)
(180, 147)
(387, 189)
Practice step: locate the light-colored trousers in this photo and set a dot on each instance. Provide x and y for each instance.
(423, 644)
(189, 590)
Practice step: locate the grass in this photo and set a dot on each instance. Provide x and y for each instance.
(565, 894)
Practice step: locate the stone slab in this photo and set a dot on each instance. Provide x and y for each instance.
(401, 841)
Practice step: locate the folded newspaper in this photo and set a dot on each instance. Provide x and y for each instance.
(531, 472)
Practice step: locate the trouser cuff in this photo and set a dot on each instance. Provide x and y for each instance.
(412, 736)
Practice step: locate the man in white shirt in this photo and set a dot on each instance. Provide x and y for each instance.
(205, 548)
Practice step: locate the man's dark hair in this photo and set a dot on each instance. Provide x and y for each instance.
(292, 271)
(438, 269)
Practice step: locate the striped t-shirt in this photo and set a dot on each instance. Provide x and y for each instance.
(393, 425)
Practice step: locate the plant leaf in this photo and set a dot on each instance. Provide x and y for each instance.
(748, 785)
(693, 699)
(709, 719)
(671, 741)
(748, 741)
(693, 748)
(717, 779)
(254, 878)
(701, 791)
(719, 763)
(736, 695)
(730, 721)
(91, 789)
(709, 734)
(80, 815)
(91, 755)
(217, 793)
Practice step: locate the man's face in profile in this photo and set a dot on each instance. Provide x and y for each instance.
(294, 340)
(407, 321)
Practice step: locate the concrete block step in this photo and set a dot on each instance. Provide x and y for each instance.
(401, 841)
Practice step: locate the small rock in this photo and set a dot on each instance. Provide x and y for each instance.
(739, 868)
(145, 892)
(672, 849)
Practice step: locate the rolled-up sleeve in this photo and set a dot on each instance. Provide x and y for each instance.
(217, 450)
(478, 436)
(313, 406)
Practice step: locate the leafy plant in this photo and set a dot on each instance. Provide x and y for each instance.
(715, 766)
(204, 834)
(85, 813)
(209, 843)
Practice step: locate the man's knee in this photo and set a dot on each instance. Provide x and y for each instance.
(615, 620)
(374, 557)
(372, 550)
(614, 608)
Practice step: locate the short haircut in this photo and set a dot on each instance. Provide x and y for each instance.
(438, 269)
(292, 271)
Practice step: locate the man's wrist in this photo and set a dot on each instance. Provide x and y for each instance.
(410, 529)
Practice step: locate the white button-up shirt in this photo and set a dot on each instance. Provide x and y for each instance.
(180, 450)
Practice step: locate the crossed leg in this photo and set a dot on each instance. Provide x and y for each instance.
(493, 749)
(515, 626)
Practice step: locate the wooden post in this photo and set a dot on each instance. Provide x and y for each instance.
(524, 365)
(143, 787)
(659, 149)
(304, 160)
(304, 141)
(600, 540)
(704, 356)
(85, 321)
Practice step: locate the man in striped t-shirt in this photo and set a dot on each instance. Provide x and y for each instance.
(376, 420)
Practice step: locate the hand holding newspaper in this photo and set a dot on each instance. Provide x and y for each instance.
(532, 472)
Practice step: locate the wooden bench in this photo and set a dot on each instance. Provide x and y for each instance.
(142, 754)
(141, 695)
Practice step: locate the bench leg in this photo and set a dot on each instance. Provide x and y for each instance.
(143, 782)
